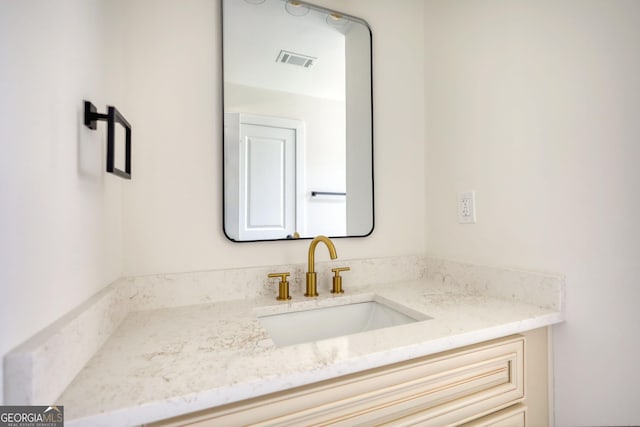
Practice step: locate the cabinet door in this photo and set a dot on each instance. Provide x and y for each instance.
(491, 378)
(445, 389)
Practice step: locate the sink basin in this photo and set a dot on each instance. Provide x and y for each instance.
(329, 322)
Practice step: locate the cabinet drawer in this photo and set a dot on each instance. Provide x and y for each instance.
(513, 416)
(448, 388)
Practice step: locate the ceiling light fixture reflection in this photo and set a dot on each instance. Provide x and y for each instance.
(296, 8)
(336, 20)
(255, 1)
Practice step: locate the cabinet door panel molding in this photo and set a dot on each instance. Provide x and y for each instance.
(449, 388)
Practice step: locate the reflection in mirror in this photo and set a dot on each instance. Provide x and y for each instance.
(298, 139)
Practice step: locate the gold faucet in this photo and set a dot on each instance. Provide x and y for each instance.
(312, 290)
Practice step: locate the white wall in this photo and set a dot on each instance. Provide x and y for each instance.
(173, 218)
(535, 105)
(60, 215)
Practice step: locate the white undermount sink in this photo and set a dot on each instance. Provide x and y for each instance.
(315, 324)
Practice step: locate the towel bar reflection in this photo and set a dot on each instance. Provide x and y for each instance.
(113, 116)
(327, 193)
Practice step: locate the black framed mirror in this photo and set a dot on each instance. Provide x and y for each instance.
(298, 121)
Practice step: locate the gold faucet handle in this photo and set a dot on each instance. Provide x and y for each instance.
(283, 286)
(337, 280)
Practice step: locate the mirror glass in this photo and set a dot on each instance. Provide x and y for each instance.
(298, 126)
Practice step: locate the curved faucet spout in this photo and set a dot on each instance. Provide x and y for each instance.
(311, 272)
(312, 251)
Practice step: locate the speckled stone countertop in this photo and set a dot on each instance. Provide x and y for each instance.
(166, 362)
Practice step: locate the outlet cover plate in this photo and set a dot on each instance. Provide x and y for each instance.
(467, 207)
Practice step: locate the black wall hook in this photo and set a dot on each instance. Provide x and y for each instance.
(113, 116)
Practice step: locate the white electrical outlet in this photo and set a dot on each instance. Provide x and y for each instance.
(467, 207)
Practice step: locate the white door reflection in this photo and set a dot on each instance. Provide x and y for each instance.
(265, 175)
(267, 178)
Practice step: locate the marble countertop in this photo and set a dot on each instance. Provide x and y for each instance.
(171, 361)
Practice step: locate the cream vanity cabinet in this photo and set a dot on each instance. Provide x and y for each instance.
(495, 383)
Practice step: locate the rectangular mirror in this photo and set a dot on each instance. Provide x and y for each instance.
(298, 121)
